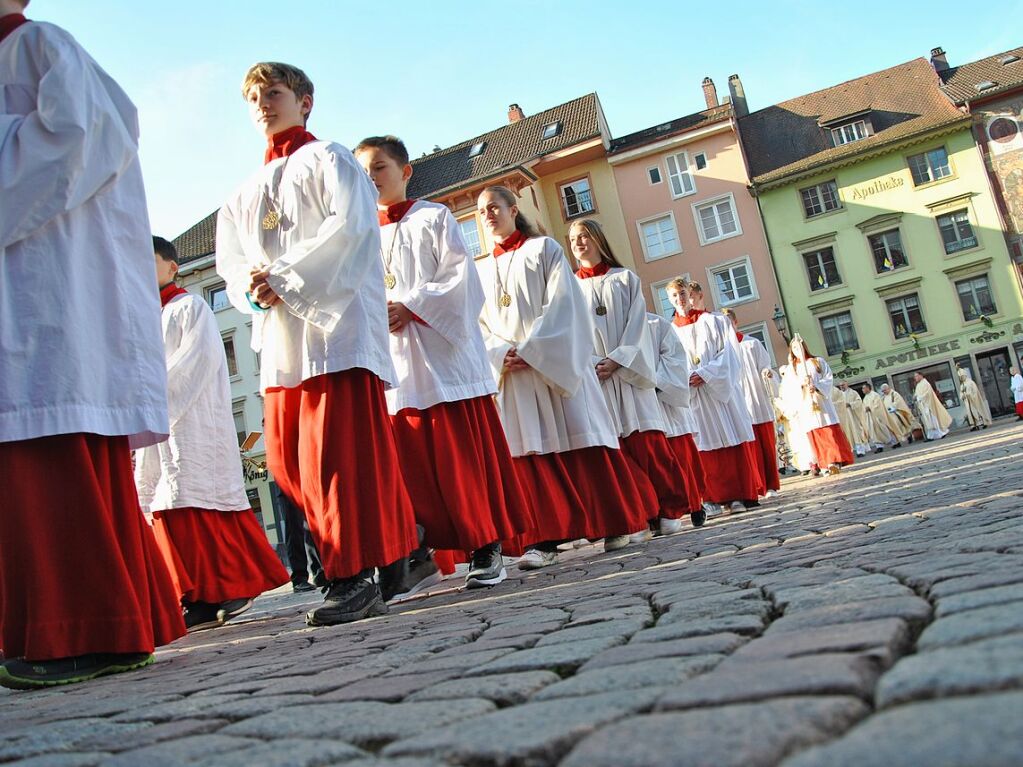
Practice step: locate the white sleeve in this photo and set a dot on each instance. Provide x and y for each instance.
(231, 262)
(82, 134)
(194, 356)
(635, 349)
(720, 373)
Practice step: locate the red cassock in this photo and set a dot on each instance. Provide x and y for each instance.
(733, 473)
(460, 475)
(216, 556)
(653, 456)
(1019, 409)
(71, 499)
(592, 492)
(767, 446)
(330, 446)
(688, 456)
(831, 446)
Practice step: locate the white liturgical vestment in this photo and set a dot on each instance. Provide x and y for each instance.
(672, 377)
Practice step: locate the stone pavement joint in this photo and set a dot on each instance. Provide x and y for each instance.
(875, 617)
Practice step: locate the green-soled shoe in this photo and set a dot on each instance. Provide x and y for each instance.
(35, 675)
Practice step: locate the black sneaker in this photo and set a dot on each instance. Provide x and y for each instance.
(31, 675)
(420, 575)
(486, 568)
(347, 600)
(201, 615)
(233, 608)
(698, 517)
(301, 587)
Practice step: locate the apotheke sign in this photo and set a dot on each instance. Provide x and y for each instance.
(880, 185)
(917, 354)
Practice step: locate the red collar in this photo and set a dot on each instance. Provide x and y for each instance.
(9, 23)
(739, 336)
(392, 214)
(286, 142)
(690, 317)
(167, 292)
(585, 272)
(514, 242)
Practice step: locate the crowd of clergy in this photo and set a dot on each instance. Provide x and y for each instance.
(420, 408)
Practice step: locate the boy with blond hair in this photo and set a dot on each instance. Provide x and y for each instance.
(299, 247)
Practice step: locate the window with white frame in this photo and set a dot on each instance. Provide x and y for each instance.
(700, 159)
(659, 237)
(975, 297)
(717, 220)
(929, 166)
(216, 297)
(888, 252)
(850, 132)
(839, 333)
(576, 198)
(232, 360)
(238, 411)
(654, 174)
(734, 283)
(679, 176)
(471, 234)
(820, 198)
(759, 332)
(956, 232)
(905, 315)
(821, 268)
(661, 302)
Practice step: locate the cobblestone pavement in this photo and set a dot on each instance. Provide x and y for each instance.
(874, 618)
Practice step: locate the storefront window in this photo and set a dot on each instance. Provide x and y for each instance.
(942, 378)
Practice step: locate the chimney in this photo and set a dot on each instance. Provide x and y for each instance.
(710, 93)
(738, 96)
(515, 113)
(938, 60)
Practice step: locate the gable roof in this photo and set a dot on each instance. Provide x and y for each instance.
(787, 139)
(960, 83)
(198, 240)
(506, 147)
(671, 128)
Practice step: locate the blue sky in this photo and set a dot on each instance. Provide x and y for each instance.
(441, 72)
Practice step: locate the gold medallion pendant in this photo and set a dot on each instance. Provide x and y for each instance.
(504, 300)
(696, 360)
(601, 311)
(271, 220)
(390, 281)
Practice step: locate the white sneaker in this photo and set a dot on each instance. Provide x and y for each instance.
(534, 559)
(642, 536)
(737, 506)
(615, 542)
(771, 494)
(712, 509)
(669, 526)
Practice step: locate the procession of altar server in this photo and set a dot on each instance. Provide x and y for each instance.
(416, 401)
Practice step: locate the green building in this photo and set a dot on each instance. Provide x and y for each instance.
(885, 234)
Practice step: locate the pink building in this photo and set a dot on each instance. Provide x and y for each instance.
(683, 192)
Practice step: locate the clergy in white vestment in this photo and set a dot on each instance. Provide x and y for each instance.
(728, 448)
(844, 416)
(879, 430)
(453, 452)
(673, 395)
(82, 381)
(817, 412)
(298, 245)
(539, 338)
(933, 416)
(192, 484)
(857, 418)
(1016, 387)
(976, 410)
(900, 416)
(789, 403)
(755, 366)
(623, 358)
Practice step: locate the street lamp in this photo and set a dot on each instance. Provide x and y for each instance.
(781, 322)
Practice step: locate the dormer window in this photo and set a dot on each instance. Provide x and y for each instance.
(850, 132)
(1010, 59)
(550, 131)
(986, 85)
(477, 149)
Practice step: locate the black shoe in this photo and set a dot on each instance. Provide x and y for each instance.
(896, 446)
(301, 587)
(347, 600)
(201, 615)
(974, 428)
(486, 568)
(698, 517)
(320, 580)
(751, 504)
(879, 450)
(30, 675)
(806, 473)
(420, 574)
(233, 608)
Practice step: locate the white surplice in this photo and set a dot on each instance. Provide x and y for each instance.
(80, 347)
(790, 404)
(719, 408)
(815, 410)
(755, 364)
(621, 334)
(324, 261)
(199, 465)
(556, 404)
(441, 359)
(673, 393)
(1016, 387)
